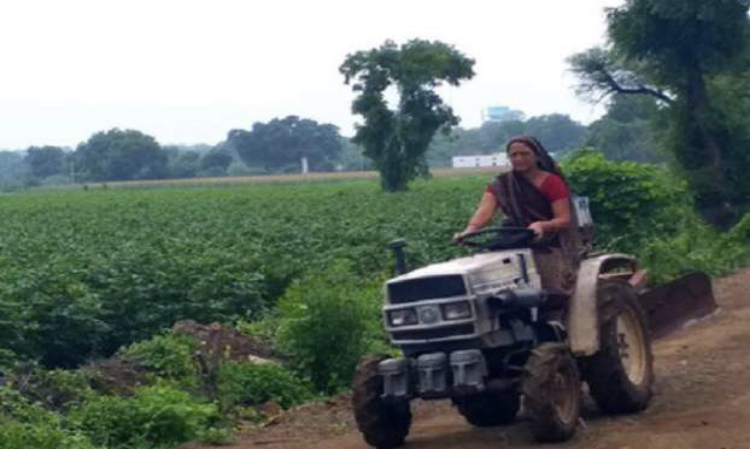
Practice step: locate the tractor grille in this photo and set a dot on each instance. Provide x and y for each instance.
(426, 288)
(434, 333)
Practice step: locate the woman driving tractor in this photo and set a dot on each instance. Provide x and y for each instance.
(534, 195)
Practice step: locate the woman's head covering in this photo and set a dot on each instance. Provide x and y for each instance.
(544, 160)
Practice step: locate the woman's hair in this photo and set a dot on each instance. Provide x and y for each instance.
(544, 160)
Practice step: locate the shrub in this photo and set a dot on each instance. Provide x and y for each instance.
(256, 383)
(26, 425)
(46, 435)
(168, 355)
(61, 317)
(263, 330)
(629, 201)
(155, 417)
(56, 390)
(646, 210)
(697, 247)
(328, 320)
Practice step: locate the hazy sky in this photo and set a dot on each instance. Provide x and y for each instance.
(188, 71)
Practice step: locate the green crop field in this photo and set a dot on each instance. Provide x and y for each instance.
(83, 272)
(296, 264)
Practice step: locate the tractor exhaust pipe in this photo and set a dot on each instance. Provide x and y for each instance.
(397, 246)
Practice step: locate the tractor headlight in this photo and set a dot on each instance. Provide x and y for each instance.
(457, 311)
(402, 317)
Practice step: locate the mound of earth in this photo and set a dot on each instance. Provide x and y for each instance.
(227, 341)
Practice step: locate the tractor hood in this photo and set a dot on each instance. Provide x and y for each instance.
(472, 265)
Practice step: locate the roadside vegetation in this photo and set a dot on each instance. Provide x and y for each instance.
(93, 282)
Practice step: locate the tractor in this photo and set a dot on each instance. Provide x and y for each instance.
(481, 332)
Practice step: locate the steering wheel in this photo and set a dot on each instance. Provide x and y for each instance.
(505, 237)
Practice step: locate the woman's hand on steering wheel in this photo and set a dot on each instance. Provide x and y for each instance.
(459, 236)
(538, 229)
(494, 238)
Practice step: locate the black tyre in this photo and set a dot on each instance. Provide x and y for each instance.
(621, 375)
(490, 409)
(383, 425)
(552, 390)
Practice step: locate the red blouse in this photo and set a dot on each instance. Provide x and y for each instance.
(553, 188)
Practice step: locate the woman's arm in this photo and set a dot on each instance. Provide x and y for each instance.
(560, 219)
(483, 215)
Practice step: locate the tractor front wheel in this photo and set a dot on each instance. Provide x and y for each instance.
(383, 425)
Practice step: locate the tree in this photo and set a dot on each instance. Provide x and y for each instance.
(673, 51)
(628, 131)
(280, 144)
(603, 73)
(352, 158)
(45, 161)
(12, 170)
(397, 140)
(217, 159)
(182, 163)
(120, 155)
(558, 132)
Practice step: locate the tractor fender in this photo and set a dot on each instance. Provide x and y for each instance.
(583, 317)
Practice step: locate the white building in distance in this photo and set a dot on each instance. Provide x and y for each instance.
(480, 160)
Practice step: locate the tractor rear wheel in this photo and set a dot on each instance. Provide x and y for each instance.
(490, 409)
(552, 390)
(621, 375)
(383, 425)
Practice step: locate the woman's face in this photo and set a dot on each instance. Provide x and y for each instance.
(522, 158)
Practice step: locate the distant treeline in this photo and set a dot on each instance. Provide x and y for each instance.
(280, 145)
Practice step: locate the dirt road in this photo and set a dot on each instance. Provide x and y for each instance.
(702, 401)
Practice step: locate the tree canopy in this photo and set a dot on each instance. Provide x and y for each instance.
(559, 133)
(628, 131)
(45, 161)
(217, 158)
(397, 140)
(182, 163)
(687, 55)
(280, 144)
(120, 155)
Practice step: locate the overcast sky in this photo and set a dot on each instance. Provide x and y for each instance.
(188, 71)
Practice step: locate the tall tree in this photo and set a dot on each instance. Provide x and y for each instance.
(629, 131)
(45, 161)
(397, 140)
(280, 144)
(672, 50)
(120, 155)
